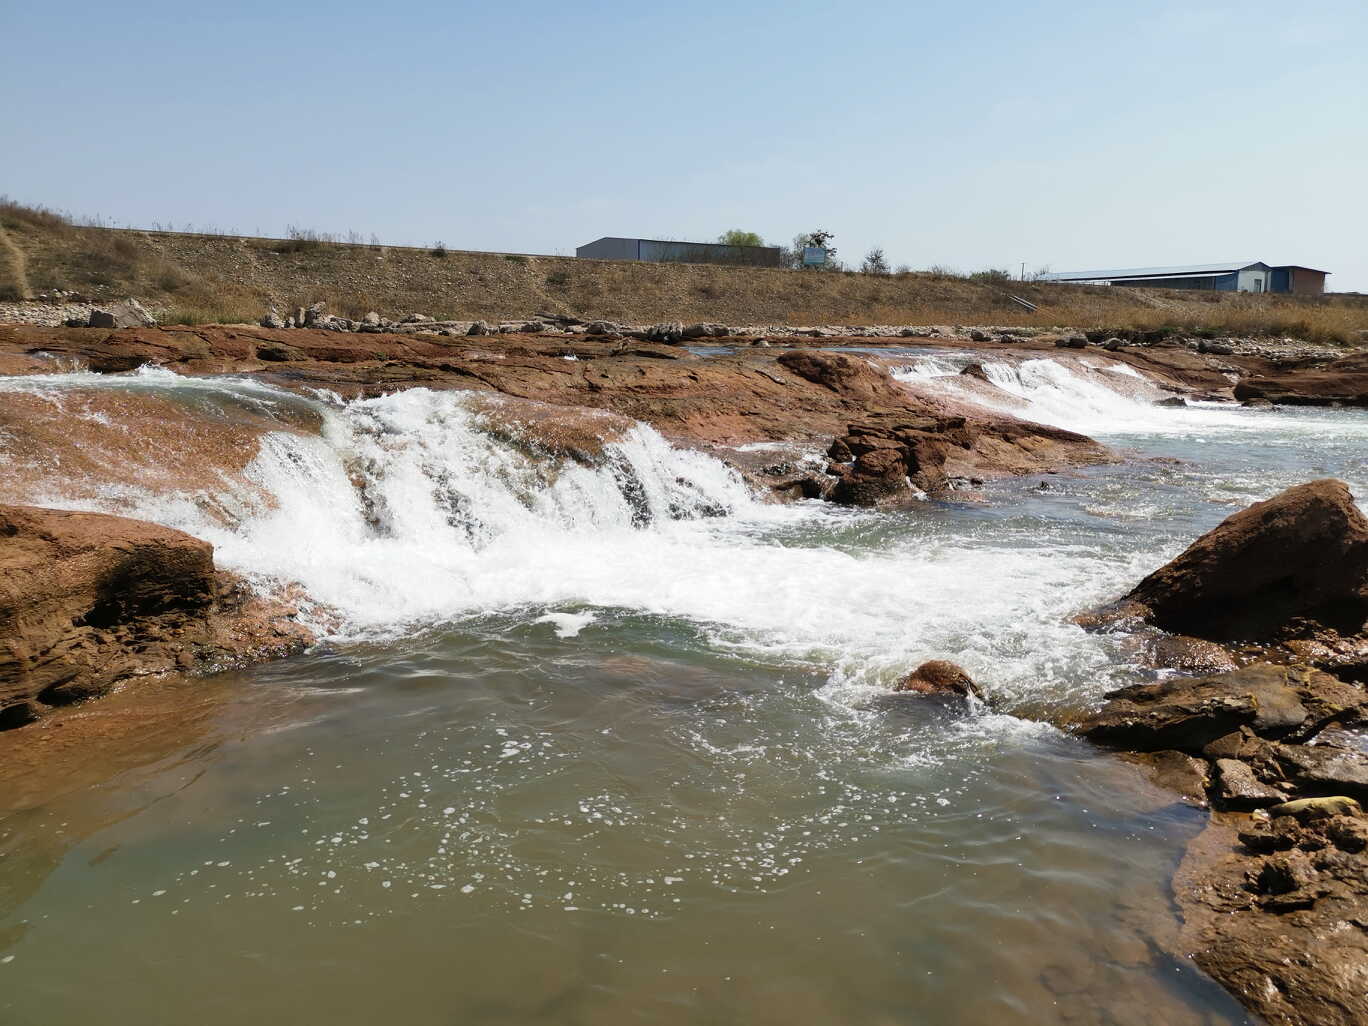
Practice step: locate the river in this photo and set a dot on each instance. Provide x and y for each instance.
(614, 743)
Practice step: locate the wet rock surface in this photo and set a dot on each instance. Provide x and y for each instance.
(90, 601)
(727, 400)
(939, 677)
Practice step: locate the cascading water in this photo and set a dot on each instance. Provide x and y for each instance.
(1091, 395)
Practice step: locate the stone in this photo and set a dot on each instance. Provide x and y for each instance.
(480, 328)
(1302, 554)
(1348, 833)
(1236, 787)
(1178, 772)
(1325, 769)
(1308, 809)
(272, 320)
(313, 313)
(603, 328)
(978, 335)
(1187, 714)
(89, 600)
(939, 677)
(1192, 655)
(669, 332)
(1175, 401)
(127, 314)
(1283, 874)
(372, 319)
(416, 318)
(1072, 342)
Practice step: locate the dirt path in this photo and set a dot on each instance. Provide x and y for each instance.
(18, 265)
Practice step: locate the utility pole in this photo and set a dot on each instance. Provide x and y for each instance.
(1023, 270)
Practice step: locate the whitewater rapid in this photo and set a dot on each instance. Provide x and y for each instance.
(414, 511)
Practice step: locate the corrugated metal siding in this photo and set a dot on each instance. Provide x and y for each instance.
(609, 249)
(1207, 283)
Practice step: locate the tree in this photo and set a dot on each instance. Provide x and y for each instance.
(875, 262)
(819, 238)
(737, 237)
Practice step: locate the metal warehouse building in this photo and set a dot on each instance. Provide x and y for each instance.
(660, 251)
(1234, 277)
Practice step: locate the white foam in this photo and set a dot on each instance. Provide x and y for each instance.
(1094, 397)
(405, 512)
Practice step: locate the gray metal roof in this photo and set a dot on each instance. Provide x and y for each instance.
(1191, 271)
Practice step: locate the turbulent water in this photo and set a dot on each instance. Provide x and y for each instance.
(609, 739)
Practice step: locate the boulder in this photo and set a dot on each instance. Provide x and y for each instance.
(272, 319)
(372, 319)
(668, 332)
(127, 314)
(939, 677)
(1301, 555)
(312, 315)
(88, 601)
(480, 328)
(1188, 714)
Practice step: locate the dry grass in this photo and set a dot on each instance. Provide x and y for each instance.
(14, 214)
(209, 278)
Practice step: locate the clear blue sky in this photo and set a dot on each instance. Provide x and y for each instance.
(969, 135)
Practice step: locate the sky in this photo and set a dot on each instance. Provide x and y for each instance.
(963, 135)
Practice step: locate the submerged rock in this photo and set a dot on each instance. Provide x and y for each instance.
(939, 677)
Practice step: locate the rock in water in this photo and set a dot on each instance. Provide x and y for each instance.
(1187, 714)
(939, 677)
(1301, 554)
(88, 600)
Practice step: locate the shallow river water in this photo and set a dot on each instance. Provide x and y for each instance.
(615, 744)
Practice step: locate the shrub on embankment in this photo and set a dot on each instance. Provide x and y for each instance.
(205, 278)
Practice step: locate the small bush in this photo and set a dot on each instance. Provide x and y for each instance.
(993, 276)
(439, 250)
(875, 262)
(558, 279)
(515, 258)
(303, 240)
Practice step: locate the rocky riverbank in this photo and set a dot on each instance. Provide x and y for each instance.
(1274, 894)
(89, 602)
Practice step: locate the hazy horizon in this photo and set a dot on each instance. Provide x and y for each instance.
(1061, 137)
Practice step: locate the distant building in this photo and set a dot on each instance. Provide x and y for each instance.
(1235, 277)
(659, 251)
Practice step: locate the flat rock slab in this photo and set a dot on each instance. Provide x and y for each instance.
(1187, 714)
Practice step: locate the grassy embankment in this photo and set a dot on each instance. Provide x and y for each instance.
(206, 278)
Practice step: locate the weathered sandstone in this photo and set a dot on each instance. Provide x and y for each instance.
(89, 601)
